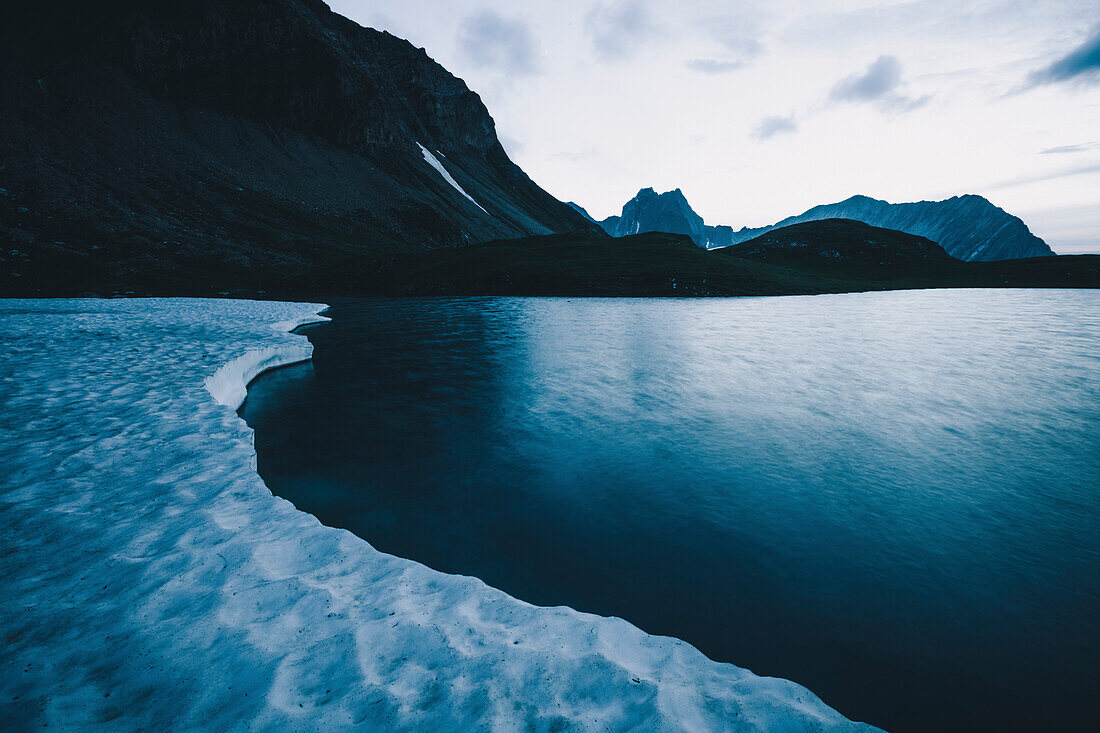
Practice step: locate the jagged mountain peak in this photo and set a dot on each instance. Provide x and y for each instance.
(650, 193)
(650, 211)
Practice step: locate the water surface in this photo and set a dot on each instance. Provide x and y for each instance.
(890, 498)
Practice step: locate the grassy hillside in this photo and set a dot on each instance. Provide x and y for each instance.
(858, 248)
(887, 259)
(652, 264)
(830, 257)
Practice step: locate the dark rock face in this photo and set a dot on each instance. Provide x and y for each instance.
(296, 64)
(967, 227)
(207, 145)
(650, 211)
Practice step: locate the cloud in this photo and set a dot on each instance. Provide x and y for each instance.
(738, 33)
(900, 103)
(714, 66)
(879, 84)
(880, 79)
(1079, 148)
(1082, 64)
(1080, 170)
(616, 28)
(574, 156)
(774, 125)
(491, 40)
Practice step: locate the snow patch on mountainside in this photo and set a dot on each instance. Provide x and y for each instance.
(434, 163)
(151, 580)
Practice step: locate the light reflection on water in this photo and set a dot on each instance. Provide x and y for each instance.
(889, 498)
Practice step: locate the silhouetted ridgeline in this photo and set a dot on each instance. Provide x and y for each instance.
(829, 256)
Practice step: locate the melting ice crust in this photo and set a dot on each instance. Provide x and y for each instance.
(151, 580)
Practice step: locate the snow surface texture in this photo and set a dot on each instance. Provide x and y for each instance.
(434, 163)
(151, 580)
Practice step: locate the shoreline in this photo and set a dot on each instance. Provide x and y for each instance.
(148, 554)
(229, 384)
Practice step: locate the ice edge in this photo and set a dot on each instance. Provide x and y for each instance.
(229, 384)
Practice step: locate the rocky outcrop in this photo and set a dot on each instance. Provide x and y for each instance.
(650, 211)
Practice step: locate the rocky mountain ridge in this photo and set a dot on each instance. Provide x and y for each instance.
(967, 227)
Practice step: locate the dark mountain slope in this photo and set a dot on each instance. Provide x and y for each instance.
(218, 144)
(581, 210)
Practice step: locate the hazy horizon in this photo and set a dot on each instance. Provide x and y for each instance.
(758, 111)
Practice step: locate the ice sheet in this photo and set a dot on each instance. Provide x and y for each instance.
(151, 580)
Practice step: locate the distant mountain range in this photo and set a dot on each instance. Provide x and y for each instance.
(967, 227)
(229, 145)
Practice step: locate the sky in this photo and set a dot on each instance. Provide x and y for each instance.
(758, 110)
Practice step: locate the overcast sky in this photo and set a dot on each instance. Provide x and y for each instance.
(759, 110)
